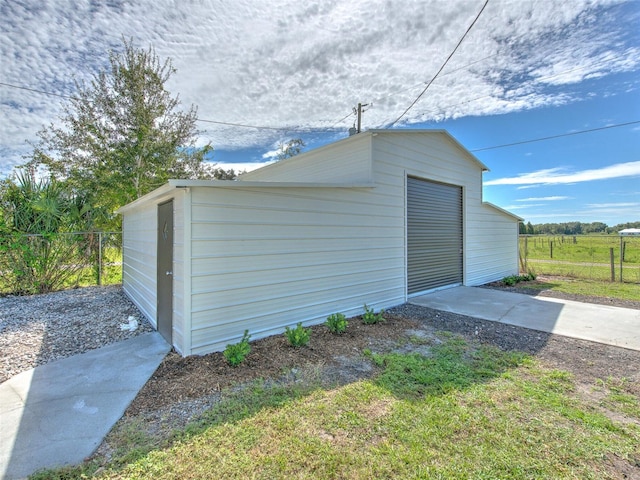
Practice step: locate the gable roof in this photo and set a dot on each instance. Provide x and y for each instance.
(438, 131)
(503, 211)
(367, 135)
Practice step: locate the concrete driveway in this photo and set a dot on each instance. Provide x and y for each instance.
(58, 413)
(587, 321)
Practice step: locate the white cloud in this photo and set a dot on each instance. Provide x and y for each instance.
(243, 167)
(301, 66)
(543, 199)
(554, 176)
(522, 207)
(613, 205)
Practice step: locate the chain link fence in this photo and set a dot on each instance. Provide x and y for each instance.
(597, 257)
(41, 263)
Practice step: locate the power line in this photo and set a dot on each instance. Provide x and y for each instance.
(281, 129)
(68, 97)
(350, 114)
(555, 136)
(35, 90)
(231, 124)
(443, 65)
(449, 72)
(545, 77)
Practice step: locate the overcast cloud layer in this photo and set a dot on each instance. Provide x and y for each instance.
(287, 64)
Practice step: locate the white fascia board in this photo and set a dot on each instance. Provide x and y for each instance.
(157, 193)
(503, 211)
(262, 184)
(173, 184)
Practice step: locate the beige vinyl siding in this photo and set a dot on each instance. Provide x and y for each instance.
(139, 242)
(347, 161)
(139, 274)
(489, 235)
(266, 258)
(494, 250)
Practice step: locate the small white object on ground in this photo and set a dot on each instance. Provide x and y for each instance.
(131, 326)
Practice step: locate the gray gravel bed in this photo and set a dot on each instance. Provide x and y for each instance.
(38, 329)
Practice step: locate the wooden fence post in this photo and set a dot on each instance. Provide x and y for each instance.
(621, 256)
(551, 248)
(613, 267)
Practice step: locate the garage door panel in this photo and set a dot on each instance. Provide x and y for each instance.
(434, 235)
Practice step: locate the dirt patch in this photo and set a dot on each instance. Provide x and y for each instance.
(179, 379)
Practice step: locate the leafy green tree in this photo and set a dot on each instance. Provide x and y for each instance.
(221, 174)
(530, 229)
(594, 227)
(123, 135)
(290, 149)
(522, 228)
(623, 226)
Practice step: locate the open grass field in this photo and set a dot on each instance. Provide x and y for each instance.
(582, 256)
(588, 287)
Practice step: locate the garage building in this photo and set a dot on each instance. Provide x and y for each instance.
(374, 218)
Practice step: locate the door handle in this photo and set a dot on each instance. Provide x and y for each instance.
(169, 272)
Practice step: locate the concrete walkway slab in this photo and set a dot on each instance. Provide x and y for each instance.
(598, 323)
(58, 414)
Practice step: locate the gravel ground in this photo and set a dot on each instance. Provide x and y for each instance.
(38, 329)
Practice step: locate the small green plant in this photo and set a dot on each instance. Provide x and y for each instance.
(236, 353)
(336, 323)
(369, 317)
(512, 280)
(298, 337)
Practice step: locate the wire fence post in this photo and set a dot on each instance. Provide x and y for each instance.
(621, 256)
(612, 261)
(99, 258)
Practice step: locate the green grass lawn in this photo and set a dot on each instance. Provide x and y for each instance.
(461, 411)
(631, 274)
(582, 256)
(581, 248)
(581, 286)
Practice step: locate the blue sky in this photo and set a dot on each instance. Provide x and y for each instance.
(527, 69)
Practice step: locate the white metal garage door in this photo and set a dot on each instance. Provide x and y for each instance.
(434, 235)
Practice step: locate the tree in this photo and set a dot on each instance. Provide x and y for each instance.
(530, 229)
(221, 174)
(122, 135)
(290, 149)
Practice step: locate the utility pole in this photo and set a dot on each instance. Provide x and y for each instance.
(358, 113)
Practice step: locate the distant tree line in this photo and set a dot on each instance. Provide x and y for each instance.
(573, 228)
